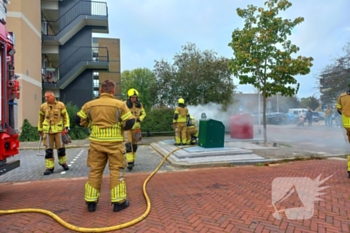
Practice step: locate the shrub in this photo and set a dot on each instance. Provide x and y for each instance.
(159, 120)
(76, 132)
(29, 133)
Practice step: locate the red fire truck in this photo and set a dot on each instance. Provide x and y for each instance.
(9, 89)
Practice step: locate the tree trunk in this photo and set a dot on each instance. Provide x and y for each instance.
(264, 116)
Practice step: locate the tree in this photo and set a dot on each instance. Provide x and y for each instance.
(335, 77)
(198, 77)
(144, 81)
(262, 53)
(310, 101)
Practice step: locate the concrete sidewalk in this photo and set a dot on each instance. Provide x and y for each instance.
(85, 143)
(234, 152)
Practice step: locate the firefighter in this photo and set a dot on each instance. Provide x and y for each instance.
(53, 121)
(179, 122)
(107, 118)
(133, 136)
(192, 131)
(343, 108)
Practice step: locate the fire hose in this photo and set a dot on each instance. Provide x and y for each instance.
(102, 229)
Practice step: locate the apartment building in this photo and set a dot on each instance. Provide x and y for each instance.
(56, 51)
(113, 73)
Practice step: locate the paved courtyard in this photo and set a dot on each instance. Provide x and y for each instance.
(227, 199)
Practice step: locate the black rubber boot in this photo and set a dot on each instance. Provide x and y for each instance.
(120, 206)
(48, 171)
(65, 167)
(130, 166)
(91, 206)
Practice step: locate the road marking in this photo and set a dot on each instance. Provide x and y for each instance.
(72, 162)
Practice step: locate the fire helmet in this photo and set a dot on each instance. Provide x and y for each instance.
(181, 101)
(133, 93)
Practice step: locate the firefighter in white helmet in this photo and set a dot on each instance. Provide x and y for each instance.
(133, 136)
(179, 122)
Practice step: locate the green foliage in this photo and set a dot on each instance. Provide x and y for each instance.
(158, 120)
(76, 132)
(200, 77)
(311, 102)
(28, 132)
(143, 80)
(263, 53)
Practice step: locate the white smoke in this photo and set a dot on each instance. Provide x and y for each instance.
(212, 111)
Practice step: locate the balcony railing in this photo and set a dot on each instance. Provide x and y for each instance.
(85, 53)
(3, 11)
(88, 8)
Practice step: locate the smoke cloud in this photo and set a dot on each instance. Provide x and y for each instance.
(212, 111)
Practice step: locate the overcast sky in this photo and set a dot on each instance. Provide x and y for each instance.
(152, 30)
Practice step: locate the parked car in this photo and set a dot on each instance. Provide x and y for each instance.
(317, 116)
(276, 118)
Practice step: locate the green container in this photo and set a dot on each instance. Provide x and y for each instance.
(211, 133)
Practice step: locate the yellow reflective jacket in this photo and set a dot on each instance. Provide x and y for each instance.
(180, 115)
(137, 111)
(343, 105)
(106, 116)
(53, 118)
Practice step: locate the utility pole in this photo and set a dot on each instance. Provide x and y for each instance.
(278, 106)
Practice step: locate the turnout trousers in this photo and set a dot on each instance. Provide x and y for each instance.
(54, 141)
(99, 154)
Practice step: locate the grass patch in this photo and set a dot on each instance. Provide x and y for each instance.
(285, 145)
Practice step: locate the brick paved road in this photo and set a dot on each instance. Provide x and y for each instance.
(233, 199)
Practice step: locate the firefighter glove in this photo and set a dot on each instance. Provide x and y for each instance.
(136, 125)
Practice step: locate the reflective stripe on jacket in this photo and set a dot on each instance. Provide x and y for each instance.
(106, 117)
(137, 111)
(181, 113)
(53, 118)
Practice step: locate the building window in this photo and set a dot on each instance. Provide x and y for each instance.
(96, 83)
(96, 93)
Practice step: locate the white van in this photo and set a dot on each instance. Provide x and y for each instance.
(295, 111)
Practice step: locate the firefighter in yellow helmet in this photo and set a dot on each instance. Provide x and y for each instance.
(53, 121)
(192, 131)
(107, 117)
(179, 122)
(133, 136)
(343, 108)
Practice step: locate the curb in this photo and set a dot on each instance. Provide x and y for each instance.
(42, 147)
(70, 146)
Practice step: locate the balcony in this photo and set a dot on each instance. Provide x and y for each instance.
(83, 13)
(3, 11)
(96, 58)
